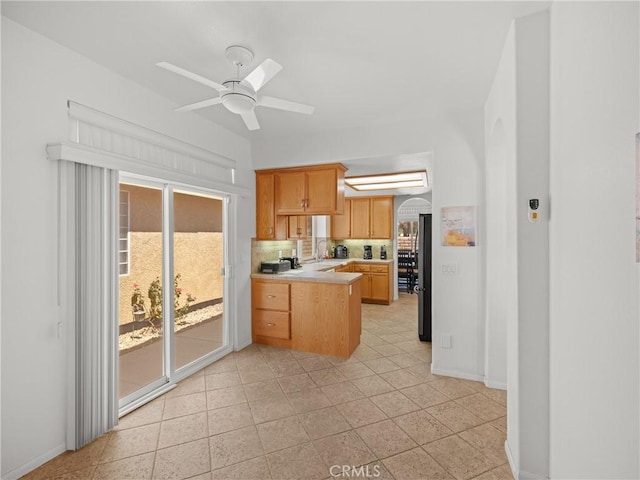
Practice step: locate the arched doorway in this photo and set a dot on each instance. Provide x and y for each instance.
(406, 232)
(407, 218)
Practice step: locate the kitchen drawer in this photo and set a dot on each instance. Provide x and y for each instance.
(359, 267)
(380, 268)
(268, 323)
(271, 296)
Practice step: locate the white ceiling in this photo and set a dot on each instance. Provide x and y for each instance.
(358, 63)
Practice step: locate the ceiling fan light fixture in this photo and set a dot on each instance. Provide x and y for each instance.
(238, 103)
(239, 99)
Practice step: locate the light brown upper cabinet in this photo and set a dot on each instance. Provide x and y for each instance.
(341, 224)
(370, 217)
(300, 226)
(381, 217)
(269, 226)
(310, 190)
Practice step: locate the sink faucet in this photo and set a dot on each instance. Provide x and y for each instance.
(320, 256)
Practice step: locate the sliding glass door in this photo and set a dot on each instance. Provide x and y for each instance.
(141, 253)
(198, 260)
(171, 304)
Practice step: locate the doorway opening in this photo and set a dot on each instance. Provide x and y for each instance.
(408, 248)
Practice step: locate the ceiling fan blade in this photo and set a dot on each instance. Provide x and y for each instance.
(250, 120)
(262, 74)
(202, 104)
(281, 104)
(192, 76)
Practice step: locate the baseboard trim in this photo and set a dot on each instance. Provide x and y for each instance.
(492, 384)
(35, 463)
(245, 344)
(522, 475)
(512, 463)
(456, 374)
(519, 475)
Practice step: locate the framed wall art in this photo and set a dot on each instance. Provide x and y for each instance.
(458, 226)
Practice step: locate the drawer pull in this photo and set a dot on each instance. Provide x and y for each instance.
(269, 324)
(271, 296)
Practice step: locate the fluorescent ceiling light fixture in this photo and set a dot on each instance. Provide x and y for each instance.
(388, 181)
(388, 186)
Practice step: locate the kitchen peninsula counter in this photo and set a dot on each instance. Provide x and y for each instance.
(308, 309)
(319, 271)
(311, 276)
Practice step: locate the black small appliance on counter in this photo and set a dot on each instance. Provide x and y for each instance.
(341, 252)
(295, 263)
(368, 254)
(383, 252)
(275, 267)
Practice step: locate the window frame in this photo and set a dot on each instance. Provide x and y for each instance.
(127, 263)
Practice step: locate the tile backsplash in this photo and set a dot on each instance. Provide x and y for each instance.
(356, 247)
(267, 250)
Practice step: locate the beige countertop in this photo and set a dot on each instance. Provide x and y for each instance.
(388, 261)
(310, 276)
(317, 271)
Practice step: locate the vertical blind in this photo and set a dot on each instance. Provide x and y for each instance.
(95, 266)
(99, 146)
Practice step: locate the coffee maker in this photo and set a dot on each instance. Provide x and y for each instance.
(383, 252)
(368, 254)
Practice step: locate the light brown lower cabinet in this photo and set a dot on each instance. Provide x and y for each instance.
(322, 318)
(345, 268)
(377, 285)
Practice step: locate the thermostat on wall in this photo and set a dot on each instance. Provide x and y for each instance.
(534, 210)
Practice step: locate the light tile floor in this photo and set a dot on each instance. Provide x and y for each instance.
(265, 413)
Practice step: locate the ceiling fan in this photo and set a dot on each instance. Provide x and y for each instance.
(239, 95)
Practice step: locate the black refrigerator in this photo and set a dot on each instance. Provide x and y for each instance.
(423, 248)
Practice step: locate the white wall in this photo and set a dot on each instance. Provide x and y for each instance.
(1, 229)
(38, 77)
(517, 128)
(532, 172)
(340, 145)
(500, 131)
(456, 307)
(594, 278)
(500, 134)
(496, 248)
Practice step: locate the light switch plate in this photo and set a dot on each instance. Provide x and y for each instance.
(449, 269)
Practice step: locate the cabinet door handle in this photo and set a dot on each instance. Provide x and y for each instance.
(271, 324)
(271, 296)
(302, 203)
(270, 230)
